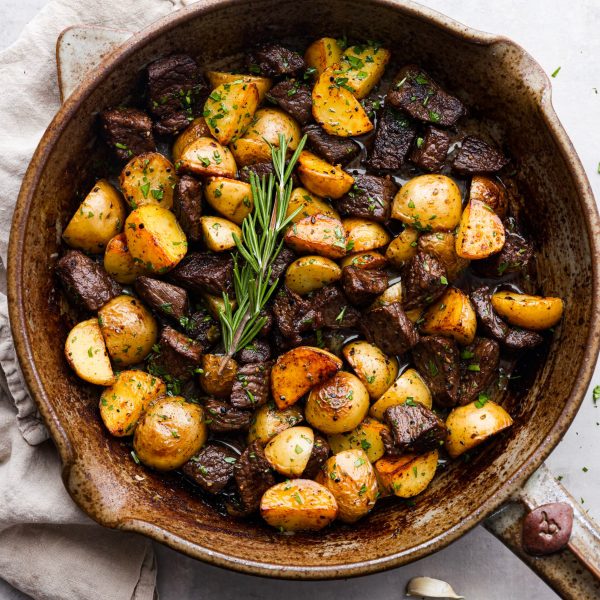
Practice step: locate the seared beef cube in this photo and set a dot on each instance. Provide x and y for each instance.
(416, 93)
(362, 285)
(204, 272)
(521, 339)
(415, 428)
(477, 156)
(295, 98)
(221, 417)
(389, 329)
(431, 150)
(393, 138)
(128, 131)
(515, 256)
(479, 368)
(177, 356)
(263, 169)
(335, 150)
(318, 456)
(187, 206)
(266, 329)
(251, 385)
(436, 359)
(370, 197)
(425, 280)
(332, 309)
(85, 281)
(279, 266)
(163, 297)
(372, 104)
(212, 468)
(293, 316)
(253, 477)
(202, 327)
(258, 351)
(273, 60)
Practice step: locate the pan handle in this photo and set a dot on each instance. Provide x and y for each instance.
(574, 573)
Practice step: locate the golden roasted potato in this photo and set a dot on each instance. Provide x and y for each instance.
(247, 151)
(97, 220)
(321, 178)
(402, 248)
(322, 54)
(452, 315)
(366, 436)
(218, 233)
(530, 312)
(129, 330)
(490, 192)
(155, 238)
(268, 421)
(391, 295)
(373, 367)
(288, 452)
(311, 273)
(122, 404)
(317, 235)
(480, 233)
(409, 387)
(299, 370)
(363, 235)
(470, 425)
(415, 314)
(169, 433)
(442, 245)
(229, 197)
(363, 66)
(206, 157)
(119, 263)
(308, 204)
(195, 130)
(148, 178)
(216, 304)
(338, 404)
(428, 202)
(350, 477)
(216, 383)
(217, 78)
(298, 505)
(86, 353)
(408, 475)
(364, 260)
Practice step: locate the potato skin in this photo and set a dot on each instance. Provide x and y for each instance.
(206, 157)
(119, 263)
(366, 436)
(148, 179)
(317, 234)
(389, 296)
(196, 129)
(322, 54)
(363, 235)
(480, 233)
(452, 315)
(217, 78)
(288, 452)
(229, 197)
(215, 383)
(409, 385)
(169, 433)
(308, 204)
(402, 248)
(442, 245)
(268, 421)
(529, 312)
(311, 273)
(364, 260)
(218, 233)
(490, 192)
(321, 178)
(408, 475)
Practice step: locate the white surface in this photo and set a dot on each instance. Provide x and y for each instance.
(556, 33)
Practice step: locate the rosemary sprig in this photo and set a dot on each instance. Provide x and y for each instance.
(257, 250)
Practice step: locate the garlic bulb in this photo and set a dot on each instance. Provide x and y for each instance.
(426, 587)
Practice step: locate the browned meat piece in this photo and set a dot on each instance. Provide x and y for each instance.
(392, 141)
(332, 309)
(221, 417)
(251, 385)
(389, 329)
(362, 285)
(521, 339)
(177, 356)
(479, 368)
(273, 60)
(202, 327)
(187, 206)
(370, 197)
(431, 150)
(477, 156)
(201, 272)
(163, 297)
(212, 468)
(283, 260)
(258, 351)
(372, 105)
(416, 93)
(266, 329)
(260, 169)
(175, 92)
(253, 477)
(335, 150)
(293, 316)
(415, 428)
(319, 454)
(425, 280)
(85, 281)
(436, 359)
(128, 131)
(295, 98)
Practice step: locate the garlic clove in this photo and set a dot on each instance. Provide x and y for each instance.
(427, 587)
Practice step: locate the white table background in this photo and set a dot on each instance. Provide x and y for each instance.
(557, 33)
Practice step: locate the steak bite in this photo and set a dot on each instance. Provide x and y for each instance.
(430, 151)
(163, 297)
(257, 352)
(204, 272)
(521, 339)
(202, 327)
(425, 280)
(393, 138)
(221, 417)
(187, 206)
(415, 428)
(260, 169)
(128, 131)
(476, 156)
(293, 316)
(273, 60)
(362, 285)
(335, 150)
(177, 356)
(212, 468)
(416, 93)
(251, 385)
(85, 281)
(294, 97)
(279, 266)
(319, 454)
(370, 197)
(332, 310)
(390, 329)
(479, 368)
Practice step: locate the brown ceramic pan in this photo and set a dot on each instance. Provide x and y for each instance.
(510, 92)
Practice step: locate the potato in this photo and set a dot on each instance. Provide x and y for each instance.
(391, 295)
(453, 316)
(311, 273)
(350, 477)
(299, 370)
(308, 204)
(364, 260)
(490, 192)
(480, 233)
(268, 421)
(229, 110)
(216, 304)
(217, 78)
(409, 387)
(288, 452)
(530, 312)
(148, 179)
(322, 54)
(206, 157)
(229, 197)
(122, 404)
(363, 235)
(442, 245)
(86, 353)
(195, 130)
(363, 66)
(415, 314)
(321, 178)
(129, 329)
(97, 220)
(402, 248)
(338, 404)
(154, 238)
(169, 433)
(335, 108)
(366, 436)
(317, 235)
(119, 263)
(470, 425)
(298, 505)
(218, 233)
(248, 151)
(408, 475)
(428, 202)
(372, 366)
(214, 380)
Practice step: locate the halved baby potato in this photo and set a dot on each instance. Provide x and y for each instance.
(321, 178)
(442, 245)
(195, 130)
(322, 54)
(289, 451)
(268, 421)
(217, 78)
(363, 66)
(480, 233)
(248, 151)
(229, 197)
(409, 387)
(402, 248)
(119, 263)
(390, 296)
(305, 204)
(311, 273)
(363, 235)
(530, 312)
(366, 436)
(369, 259)
(218, 233)
(148, 178)
(490, 192)
(206, 157)
(408, 475)
(217, 378)
(317, 234)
